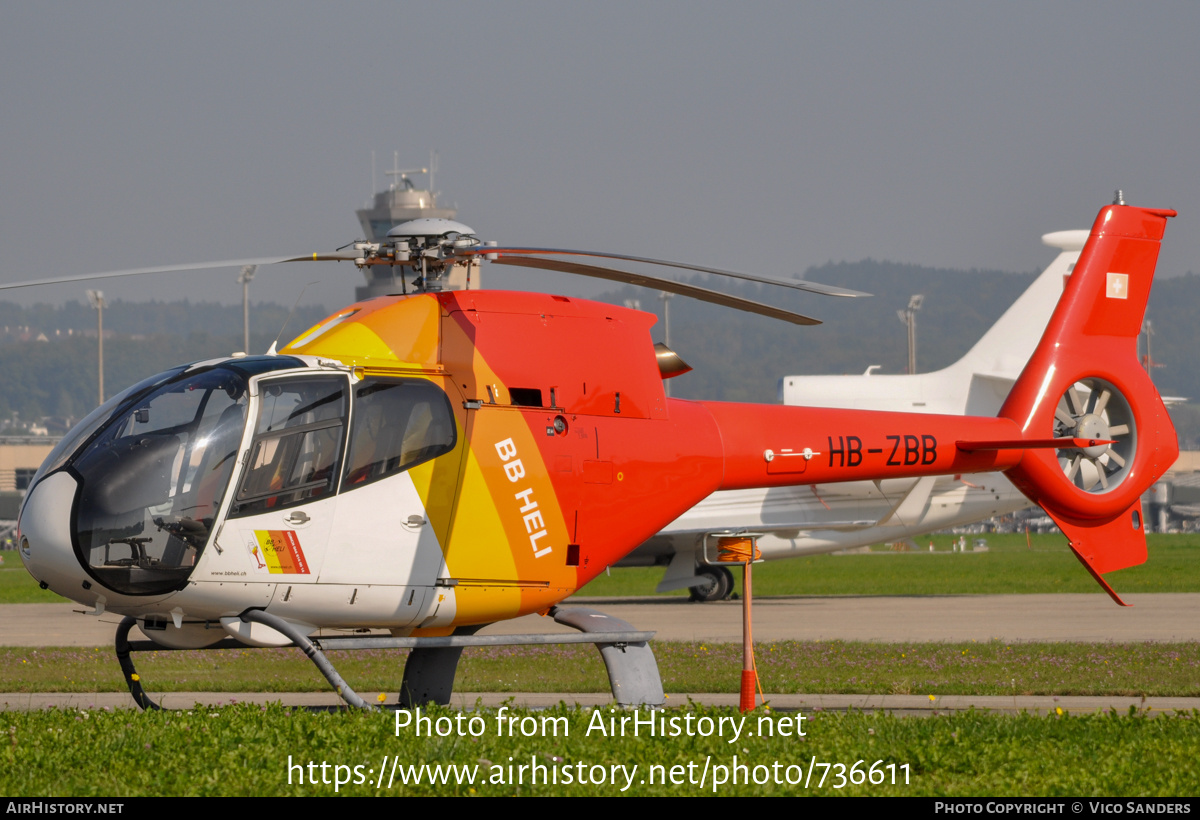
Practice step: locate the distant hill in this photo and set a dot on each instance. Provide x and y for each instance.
(57, 376)
(181, 318)
(735, 356)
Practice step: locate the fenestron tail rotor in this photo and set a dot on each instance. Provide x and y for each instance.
(1092, 408)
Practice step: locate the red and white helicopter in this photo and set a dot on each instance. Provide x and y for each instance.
(436, 460)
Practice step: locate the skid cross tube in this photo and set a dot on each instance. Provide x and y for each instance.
(431, 665)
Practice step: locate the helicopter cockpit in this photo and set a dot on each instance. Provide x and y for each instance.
(152, 473)
(149, 476)
(150, 482)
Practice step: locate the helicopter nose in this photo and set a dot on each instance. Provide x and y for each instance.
(45, 527)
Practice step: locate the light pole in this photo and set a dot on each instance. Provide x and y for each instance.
(96, 300)
(909, 317)
(244, 280)
(665, 296)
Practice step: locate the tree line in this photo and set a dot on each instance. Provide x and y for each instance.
(735, 356)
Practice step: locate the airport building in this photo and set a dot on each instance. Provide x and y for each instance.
(20, 457)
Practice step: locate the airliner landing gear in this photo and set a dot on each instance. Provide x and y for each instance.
(720, 584)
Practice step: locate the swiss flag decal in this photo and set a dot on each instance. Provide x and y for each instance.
(1118, 286)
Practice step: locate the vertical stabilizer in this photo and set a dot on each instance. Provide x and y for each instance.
(1084, 380)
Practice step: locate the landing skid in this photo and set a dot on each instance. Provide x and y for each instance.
(433, 662)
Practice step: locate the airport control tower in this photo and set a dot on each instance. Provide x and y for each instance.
(401, 202)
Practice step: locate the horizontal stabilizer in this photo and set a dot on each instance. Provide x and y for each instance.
(1064, 443)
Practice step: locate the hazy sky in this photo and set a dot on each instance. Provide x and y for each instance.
(766, 137)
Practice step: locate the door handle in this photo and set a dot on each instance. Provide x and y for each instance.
(415, 521)
(297, 518)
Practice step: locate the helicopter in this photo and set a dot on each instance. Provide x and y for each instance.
(435, 460)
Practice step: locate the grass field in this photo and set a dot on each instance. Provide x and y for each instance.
(249, 750)
(1008, 567)
(787, 667)
(18, 587)
(246, 750)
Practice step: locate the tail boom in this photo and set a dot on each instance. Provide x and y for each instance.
(779, 445)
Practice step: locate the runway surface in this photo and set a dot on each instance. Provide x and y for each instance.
(1088, 618)
(892, 619)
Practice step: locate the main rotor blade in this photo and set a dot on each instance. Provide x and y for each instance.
(226, 263)
(797, 284)
(670, 285)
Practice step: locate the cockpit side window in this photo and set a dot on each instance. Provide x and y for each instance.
(397, 425)
(297, 445)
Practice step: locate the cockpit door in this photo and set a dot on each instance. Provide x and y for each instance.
(401, 473)
(284, 506)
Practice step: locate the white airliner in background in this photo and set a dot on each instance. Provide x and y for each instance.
(825, 518)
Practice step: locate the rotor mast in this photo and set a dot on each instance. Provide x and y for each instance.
(401, 201)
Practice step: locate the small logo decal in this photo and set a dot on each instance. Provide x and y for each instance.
(277, 552)
(1118, 286)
